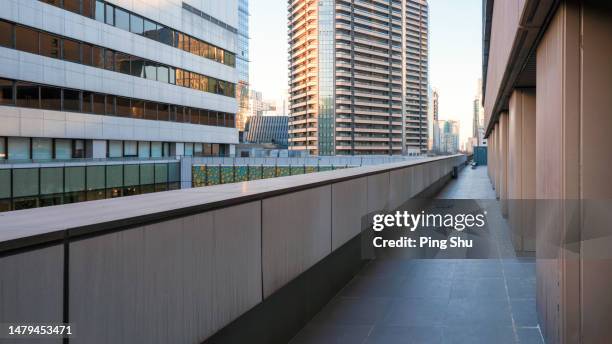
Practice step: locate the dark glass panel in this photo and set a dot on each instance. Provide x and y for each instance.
(163, 112)
(179, 114)
(123, 107)
(150, 30)
(26, 39)
(98, 104)
(186, 115)
(6, 92)
(212, 85)
(138, 66)
(87, 54)
(97, 57)
(151, 111)
(122, 19)
(230, 120)
(137, 108)
(204, 49)
(87, 102)
(109, 59)
(72, 100)
(212, 118)
(27, 95)
(50, 45)
(73, 6)
(195, 116)
(51, 98)
(183, 41)
(111, 108)
(166, 35)
(87, 8)
(136, 24)
(204, 117)
(194, 46)
(78, 149)
(6, 34)
(122, 63)
(72, 51)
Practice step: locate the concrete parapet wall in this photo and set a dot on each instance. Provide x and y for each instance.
(179, 266)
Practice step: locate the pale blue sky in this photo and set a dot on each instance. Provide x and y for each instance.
(455, 58)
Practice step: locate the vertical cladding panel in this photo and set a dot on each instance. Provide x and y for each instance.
(596, 160)
(399, 188)
(557, 177)
(237, 269)
(378, 192)
(349, 210)
(31, 289)
(296, 234)
(150, 284)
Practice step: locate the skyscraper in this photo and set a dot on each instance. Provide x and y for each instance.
(242, 65)
(416, 51)
(478, 129)
(358, 76)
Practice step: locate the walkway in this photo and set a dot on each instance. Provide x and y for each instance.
(439, 300)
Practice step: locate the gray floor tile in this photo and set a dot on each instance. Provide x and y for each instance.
(529, 336)
(353, 311)
(478, 312)
(486, 288)
(326, 334)
(479, 334)
(524, 312)
(405, 334)
(521, 288)
(417, 312)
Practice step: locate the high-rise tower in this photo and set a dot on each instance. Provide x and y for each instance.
(353, 64)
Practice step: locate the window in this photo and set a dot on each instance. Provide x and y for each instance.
(212, 117)
(99, 11)
(122, 63)
(87, 54)
(156, 149)
(194, 46)
(111, 108)
(130, 148)
(6, 92)
(195, 116)
(27, 95)
(204, 117)
(78, 149)
(197, 149)
(97, 57)
(163, 112)
(42, 149)
(204, 47)
(150, 30)
(87, 8)
(212, 85)
(215, 149)
(162, 73)
(137, 108)
(166, 35)
(73, 6)
(26, 40)
(151, 70)
(123, 106)
(183, 41)
(122, 19)
(172, 75)
(50, 46)
(136, 24)
(230, 120)
(115, 149)
(6, 34)
(144, 149)
(207, 149)
(63, 149)
(138, 66)
(2, 147)
(87, 105)
(151, 111)
(18, 148)
(109, 59)
(72, 51)
(195, 81)
(51, 98)
(110, 17)
(98, 104)
(188, 149)
(72, 100)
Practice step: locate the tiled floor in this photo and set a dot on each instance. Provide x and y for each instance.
(437, 300)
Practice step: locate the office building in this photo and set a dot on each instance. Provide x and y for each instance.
(242, 65)
(268, 129)
(446, 137)
(104, 95)
(358, 77)
(478, 129)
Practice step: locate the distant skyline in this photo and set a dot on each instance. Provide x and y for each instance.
(455, 61)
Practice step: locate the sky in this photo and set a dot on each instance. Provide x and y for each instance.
(455, 54)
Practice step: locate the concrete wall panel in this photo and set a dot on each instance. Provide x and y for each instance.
(349, 210)
(296, 234)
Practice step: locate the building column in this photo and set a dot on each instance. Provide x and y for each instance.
(498, 158)
(503, 162)
(521, 169)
